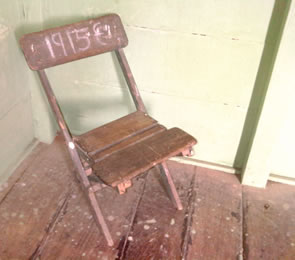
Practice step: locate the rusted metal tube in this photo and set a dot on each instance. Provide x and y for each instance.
(63, 127)
(130, 80)
(75, 156)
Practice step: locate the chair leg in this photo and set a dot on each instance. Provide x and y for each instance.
(89, 191)
(170, 185)
(100, 218)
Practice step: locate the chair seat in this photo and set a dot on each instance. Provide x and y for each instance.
(115, 132)
(129, 146)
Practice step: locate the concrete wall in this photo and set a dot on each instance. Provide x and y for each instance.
(16, 121)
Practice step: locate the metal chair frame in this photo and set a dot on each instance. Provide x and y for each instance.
(76, 41)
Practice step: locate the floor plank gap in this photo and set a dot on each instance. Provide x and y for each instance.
(60, 211)
(123, 246)
(187, 225)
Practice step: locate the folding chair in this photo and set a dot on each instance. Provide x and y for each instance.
(121, 150)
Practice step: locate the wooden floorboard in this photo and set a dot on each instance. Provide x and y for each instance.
(269, 222)
(20, 170)
(216, 225)
(44, 215)
(77, 232)
(32, 203)
(159, 227)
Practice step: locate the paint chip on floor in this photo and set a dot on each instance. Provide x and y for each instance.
(172, 222)
(111, 218)
(151, 221)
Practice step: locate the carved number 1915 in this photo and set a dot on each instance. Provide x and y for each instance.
(80, 37)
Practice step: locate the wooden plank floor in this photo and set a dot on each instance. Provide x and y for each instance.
(43, 215)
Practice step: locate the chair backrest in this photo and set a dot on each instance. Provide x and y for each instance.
(72, 42)
(76, 41)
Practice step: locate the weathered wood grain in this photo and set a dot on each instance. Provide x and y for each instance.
(33, 202)
(128, 163)
(269, 222)
(74, 41)
(216, 230)
(115, 132)
(159, 228)
(44, 215)
(99, 156)
(7, 186)
(76, 235)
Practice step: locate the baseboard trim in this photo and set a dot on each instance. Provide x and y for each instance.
(229, 169)
(281, 179)
(205, 164)
(185, 160)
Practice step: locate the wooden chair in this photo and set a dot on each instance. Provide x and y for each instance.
(118, 151)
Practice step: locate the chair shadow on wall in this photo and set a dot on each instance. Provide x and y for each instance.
(75, 112)
(94, 110)
(265, 69)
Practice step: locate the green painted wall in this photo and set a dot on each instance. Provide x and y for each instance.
(270, 98)
(16, 127)
(284, 81)
(195, 63)
(199, 65)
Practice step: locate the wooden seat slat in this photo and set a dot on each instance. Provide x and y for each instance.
(115, 132)
(99, 156)
(140, 157)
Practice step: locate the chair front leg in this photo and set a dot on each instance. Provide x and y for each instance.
(99, 217)
(165, 174)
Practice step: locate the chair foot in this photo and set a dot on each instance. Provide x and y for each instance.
(170, 185)
(123, 186)
(100, 219)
